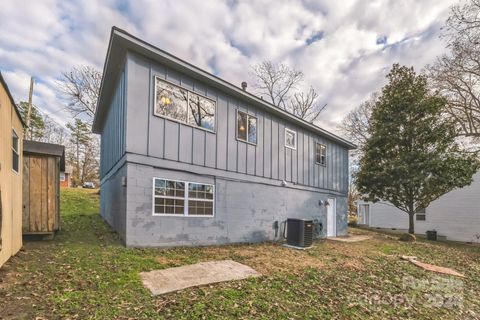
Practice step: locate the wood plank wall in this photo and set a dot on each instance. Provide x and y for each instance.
(40, 194)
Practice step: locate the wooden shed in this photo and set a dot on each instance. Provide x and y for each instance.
(42, 164)
(11, 135)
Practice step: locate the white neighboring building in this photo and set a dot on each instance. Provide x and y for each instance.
(455, 215)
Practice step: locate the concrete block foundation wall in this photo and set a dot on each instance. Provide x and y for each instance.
(244, 212)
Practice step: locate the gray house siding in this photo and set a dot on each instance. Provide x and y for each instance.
(113, 134)
(158, 137)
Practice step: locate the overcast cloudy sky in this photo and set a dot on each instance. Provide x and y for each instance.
(343, 47)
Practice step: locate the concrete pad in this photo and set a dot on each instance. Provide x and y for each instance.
(174, 279)
(352, 238)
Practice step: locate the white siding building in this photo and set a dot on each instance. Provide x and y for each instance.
(455, 216)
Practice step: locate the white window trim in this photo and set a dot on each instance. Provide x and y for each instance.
(325, 147)
(295, 134)
(186, 198)
(188, 99)
(16, 151)
(236, 127)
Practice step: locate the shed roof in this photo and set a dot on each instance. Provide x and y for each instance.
(4, 84)
(121, 42)
(45, 149)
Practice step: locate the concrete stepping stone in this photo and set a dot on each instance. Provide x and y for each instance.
(178, 278)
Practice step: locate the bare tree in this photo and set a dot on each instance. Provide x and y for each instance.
(81, 86)
(305, 105)
(456, 75)
(276, 81)
(356, 124)
(280, 84)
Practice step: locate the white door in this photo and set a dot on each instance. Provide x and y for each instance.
(331, 218)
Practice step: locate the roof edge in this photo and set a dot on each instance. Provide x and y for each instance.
(135, 41)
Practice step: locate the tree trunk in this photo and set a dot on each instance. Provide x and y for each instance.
(411, 223)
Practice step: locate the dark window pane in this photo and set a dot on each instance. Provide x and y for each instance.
(252, 129)
(208, 211)
(180, 185)
(159, 209)
(201, 111)
(421, 217)
(171, 101)
(242, 126)
(179, 193)
(169, 209)
(15, 161)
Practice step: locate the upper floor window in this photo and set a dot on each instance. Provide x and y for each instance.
(179, 104)
(320, 154)
(15, 151)
(290, 139)
(246, 127)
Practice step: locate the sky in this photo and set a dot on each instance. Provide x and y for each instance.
(344, 48)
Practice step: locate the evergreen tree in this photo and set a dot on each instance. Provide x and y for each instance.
(80, 139)
(411, 157)
(36, 131)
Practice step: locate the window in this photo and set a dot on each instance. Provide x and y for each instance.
(62, 176)
(201, 111)
(179, 104)
(320, 154)
(421, 214)
(171, 198)
(15, 152)
(290, 139)
(246, 127)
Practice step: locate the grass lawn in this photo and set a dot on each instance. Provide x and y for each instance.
(85, 273)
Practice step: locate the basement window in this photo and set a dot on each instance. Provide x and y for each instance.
(178, 104)
(182, 198)
(320, 154)
(15, 152)
(246, 127)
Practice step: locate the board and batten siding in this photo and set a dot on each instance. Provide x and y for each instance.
(113, 135)
(153, 136)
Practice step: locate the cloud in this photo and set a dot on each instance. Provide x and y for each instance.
(344, 48)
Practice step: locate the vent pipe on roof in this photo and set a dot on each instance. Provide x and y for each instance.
(244, 86)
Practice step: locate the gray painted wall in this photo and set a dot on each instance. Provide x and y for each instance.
(244, 212)
(162, 138)
(113, 201)
(113, 134)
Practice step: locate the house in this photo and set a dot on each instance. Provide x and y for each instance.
(66, 177)
(455, 215)
(42, 164)
(11, 136)
(190, 159)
